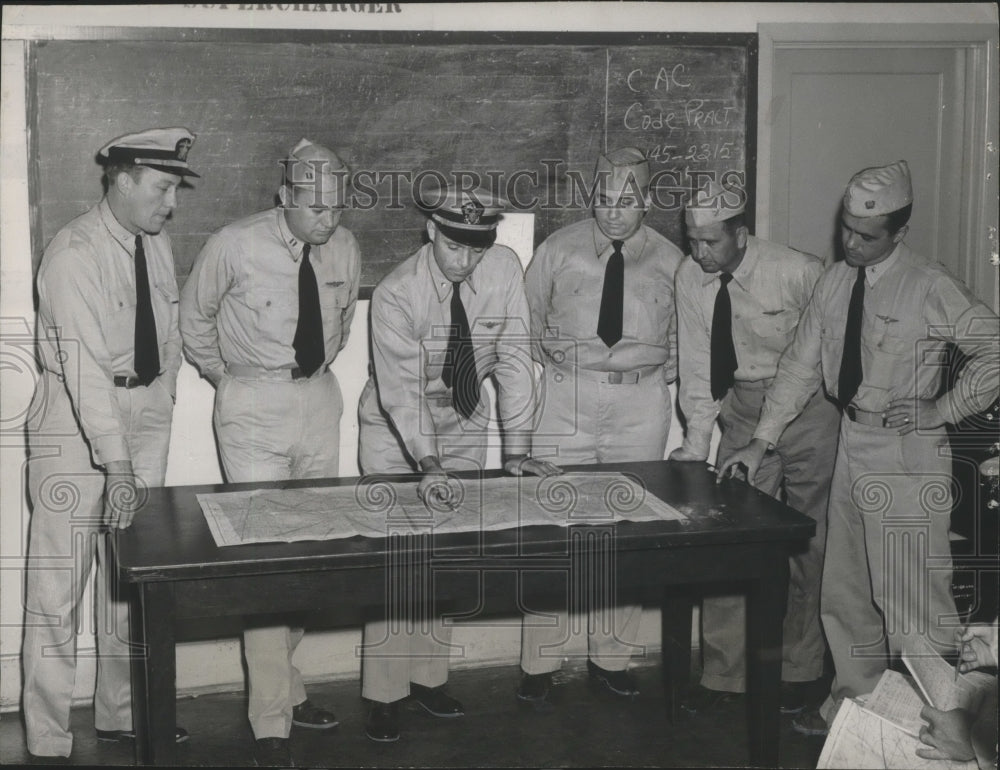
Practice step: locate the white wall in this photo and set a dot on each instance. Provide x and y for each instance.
(216, 664)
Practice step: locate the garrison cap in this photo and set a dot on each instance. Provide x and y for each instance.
(465, 216)
(312, 165)
(165, 149)
(625, 169)
(879, 190)
(714, 203)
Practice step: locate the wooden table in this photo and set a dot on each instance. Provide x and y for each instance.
(735, 537)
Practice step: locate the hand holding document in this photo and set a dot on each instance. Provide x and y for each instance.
(908, 722)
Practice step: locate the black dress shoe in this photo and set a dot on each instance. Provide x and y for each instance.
(312, 717)
(272, 752)
(383, 722)
(619, 683)
(435, 701)
(793, 697)
(114, 736)
(534, 687)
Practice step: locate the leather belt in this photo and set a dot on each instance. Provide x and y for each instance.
(256, 372)
(129, 382)
(860, 416)
(617, 378)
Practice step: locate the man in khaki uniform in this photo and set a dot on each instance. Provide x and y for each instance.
(601, 295)
(873, 334)
(99, 425)
(447, 318)
(739, 300)
(266, 309)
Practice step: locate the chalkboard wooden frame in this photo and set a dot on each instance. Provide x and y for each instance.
(648, 40)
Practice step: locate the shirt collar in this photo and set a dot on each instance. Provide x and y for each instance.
(442, 286)
(295, 245)
(116, 229)
(876, 271)
(632, 249)
(743, 270)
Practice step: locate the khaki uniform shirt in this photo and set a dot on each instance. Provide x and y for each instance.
(769, 292)
(86, 319)
(913, 308)
(411, 315)
(564, 283)
(240, 304)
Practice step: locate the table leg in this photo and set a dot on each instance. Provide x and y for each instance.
(766, 600)
(675, 625)
(154, 695)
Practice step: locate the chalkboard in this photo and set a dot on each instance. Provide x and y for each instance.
(527, 112)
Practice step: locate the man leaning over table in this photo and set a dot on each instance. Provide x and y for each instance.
(100, 425)
(443, 321)
(739, 300)
(265, 311)
(874, 334)
(601, 295)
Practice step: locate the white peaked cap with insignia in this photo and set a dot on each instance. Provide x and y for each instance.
(165, 149)
(312, 165)
(879, 190)
(623, 170)
(466, 216)
(714, 203)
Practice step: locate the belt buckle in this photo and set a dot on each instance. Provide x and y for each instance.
(614, 378)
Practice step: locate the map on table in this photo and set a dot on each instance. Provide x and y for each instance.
(378, 508)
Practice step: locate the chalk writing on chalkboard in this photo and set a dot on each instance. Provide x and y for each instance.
(524, 114)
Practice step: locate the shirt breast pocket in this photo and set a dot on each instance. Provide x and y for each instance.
(889, 361)
(121, 325)
(165, 308)
(333, 297)
(780, 324)
(647, 314)
(276, 313)
(832, 347)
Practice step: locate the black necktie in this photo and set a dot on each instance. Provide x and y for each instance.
(609, 322)
(850, 364)
(723, 350)
(308, 342)
(146, 352)
(459, 371)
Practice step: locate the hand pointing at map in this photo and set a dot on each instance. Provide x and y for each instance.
(437, 489)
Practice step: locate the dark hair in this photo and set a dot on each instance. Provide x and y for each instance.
(897, 220)
(112, 170)
(734, 223)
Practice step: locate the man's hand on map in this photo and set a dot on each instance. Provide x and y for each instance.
(518, 465)
(948, 733)
(437, 489)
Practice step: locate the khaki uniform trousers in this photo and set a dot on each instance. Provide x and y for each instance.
(887, 577)
(67, 498)
(587, 418)
(803, 462)
(403, 647)
(272, 429)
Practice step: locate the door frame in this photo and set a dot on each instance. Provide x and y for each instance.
(978, 194)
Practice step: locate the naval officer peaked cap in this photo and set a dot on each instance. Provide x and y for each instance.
(465, 216)
(165, 149)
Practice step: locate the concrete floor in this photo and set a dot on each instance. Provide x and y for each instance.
(586, 729)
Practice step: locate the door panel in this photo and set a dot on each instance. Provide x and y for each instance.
(836, 111)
